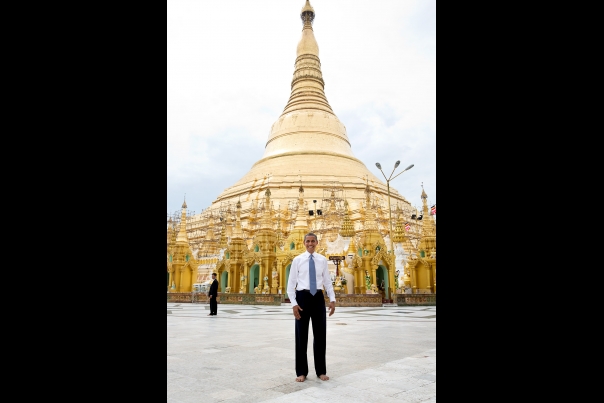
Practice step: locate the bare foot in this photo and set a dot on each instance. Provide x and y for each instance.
(301, 378)
(323, 377)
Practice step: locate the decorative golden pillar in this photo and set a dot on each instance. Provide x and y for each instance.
(391, 282)
(237, 280)
(248, 280)
(261, 275)
(367, 268)
(179, 279)
(231, 278)
(373, 275)
(170, 280)
(241, 281)
(429, 277)
(269, 274)
(359, 281)
(275, 277)
(282, 280)
(414, 280)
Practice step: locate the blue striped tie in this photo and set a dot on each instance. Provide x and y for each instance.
(312, 276)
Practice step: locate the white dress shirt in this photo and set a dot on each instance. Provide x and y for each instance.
(298, 276)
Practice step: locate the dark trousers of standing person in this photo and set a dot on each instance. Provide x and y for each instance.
(213, 306)
(313, 309)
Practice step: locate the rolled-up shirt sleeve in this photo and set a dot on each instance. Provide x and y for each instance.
(327, 282)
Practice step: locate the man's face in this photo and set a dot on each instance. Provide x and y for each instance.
(311, 243)
(213, 277)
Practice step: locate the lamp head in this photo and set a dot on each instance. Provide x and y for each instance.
(409, 167)
(377, 164)
(397, 164)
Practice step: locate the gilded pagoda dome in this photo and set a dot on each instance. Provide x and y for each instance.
(307, 142)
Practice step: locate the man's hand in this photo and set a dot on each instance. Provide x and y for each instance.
(297, 310)
(332, 308)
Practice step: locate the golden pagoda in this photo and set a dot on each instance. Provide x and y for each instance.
(182, 265)
(253, 230)
(307, 142)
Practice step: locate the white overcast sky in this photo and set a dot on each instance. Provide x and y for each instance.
(230, 65)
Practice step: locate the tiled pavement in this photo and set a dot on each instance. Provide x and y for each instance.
(246, 354)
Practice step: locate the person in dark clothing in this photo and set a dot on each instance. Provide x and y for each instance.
(213, 293)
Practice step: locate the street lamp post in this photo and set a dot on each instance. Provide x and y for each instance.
(377, 164)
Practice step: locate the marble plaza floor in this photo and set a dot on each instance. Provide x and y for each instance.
(246, 354)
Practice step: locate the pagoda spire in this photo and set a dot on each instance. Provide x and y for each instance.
(428, 235)
(210, 231)
(399, 229)
(182, 233)
(401, 235)
(301, 219)
(307, 14)
(238, 232)
(222, 244)
(266, 220)
(427, 219)
(347, 229)
(306, 130)
(352, 248)
(308, 87)
(370, 215)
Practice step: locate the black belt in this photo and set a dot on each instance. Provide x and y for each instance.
(308, 291)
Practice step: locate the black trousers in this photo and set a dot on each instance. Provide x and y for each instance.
(213, 306)
(313, 309)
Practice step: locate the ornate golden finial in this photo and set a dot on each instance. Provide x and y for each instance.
(308, 7)
(238, 204)
(307, 14)
(184, 203)
(268, 192)
(424, 195)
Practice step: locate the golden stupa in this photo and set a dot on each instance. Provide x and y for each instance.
(254, 228)
(307, 144)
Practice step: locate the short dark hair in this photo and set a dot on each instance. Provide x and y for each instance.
(213, 274)
(311, 234)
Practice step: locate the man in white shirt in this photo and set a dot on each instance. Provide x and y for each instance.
(308, 303)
